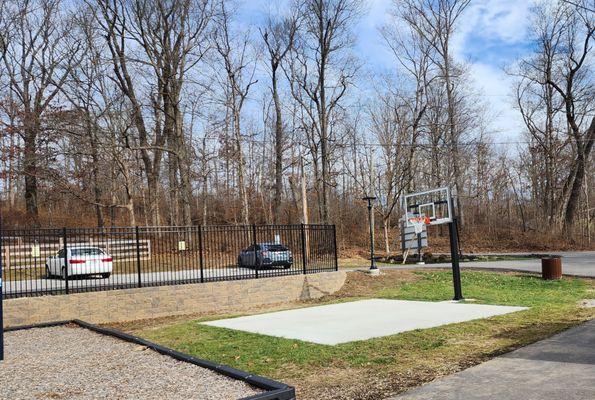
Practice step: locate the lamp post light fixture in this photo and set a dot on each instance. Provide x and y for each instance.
(373, 268)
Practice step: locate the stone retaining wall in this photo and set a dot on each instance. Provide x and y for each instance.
(160, 301)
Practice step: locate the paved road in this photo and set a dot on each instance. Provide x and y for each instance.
(573, 263)
(559, 368)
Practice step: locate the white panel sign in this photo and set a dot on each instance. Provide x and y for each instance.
(409, 238)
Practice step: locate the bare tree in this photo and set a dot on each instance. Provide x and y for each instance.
(540, 109)
(398, 120)
(278, 36)
(171, 35)
(37, 61)
(555, 98)
(435, 22)
(574, 83)
(239, 70)
(321, 72)
(96, 128)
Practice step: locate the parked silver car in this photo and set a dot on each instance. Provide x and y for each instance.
(265, 255)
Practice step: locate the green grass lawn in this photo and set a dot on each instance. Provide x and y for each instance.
(378, 367)
(493, 288)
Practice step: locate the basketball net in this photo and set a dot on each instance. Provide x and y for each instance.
(418, 223)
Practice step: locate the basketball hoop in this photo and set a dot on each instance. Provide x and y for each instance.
(433, 207)
(418, 223)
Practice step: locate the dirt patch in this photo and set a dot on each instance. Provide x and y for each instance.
(360, 284)
(155, 323)
(137, 325)
(364, 383)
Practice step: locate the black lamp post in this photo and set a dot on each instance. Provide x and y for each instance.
(370, 199)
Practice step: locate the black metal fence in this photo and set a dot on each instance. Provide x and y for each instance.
(36, 264)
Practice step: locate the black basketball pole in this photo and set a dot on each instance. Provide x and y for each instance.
(419, 247)
(454, 256)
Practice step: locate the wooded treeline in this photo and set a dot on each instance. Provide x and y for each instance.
(176, 112)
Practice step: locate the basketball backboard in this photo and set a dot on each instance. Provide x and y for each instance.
(434, 204)
(409, 239)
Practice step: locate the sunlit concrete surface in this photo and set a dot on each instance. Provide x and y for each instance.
(360, 320)
(559, 368)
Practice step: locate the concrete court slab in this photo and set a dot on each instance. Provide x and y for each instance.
(360, 320)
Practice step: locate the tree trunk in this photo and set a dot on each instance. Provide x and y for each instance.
(173, 188)
(241, 183)
(30, 170)
(322, 115)
(324, 152)
(453, 136)
(97, 192)
(278, 150)
(385, 225)
(583, 153)
(184, 166)
(204, 198)
(152, 199)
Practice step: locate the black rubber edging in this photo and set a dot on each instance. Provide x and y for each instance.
(274, 390)
(41, 325)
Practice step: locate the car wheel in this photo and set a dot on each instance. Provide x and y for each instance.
(48, 274)
(106, 275)
(287, 266)
(240, 264)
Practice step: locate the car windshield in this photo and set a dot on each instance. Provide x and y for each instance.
(276, 247)
(87, 251)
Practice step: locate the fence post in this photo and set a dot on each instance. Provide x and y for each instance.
(255, 251)
(200, 254)
(65, 241)
(1, 299)
(335, 249)
(304, 257)
(138, 268)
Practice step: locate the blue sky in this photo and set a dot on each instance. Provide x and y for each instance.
(491, 34)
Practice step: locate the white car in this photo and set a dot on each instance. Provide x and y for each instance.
(82, 260)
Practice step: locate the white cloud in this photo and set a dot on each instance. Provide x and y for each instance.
(497, 89)
(505, 21)
(488, 32)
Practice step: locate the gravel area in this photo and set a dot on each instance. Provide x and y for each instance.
(70, 362)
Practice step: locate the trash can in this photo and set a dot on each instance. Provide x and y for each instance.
(551, 268)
